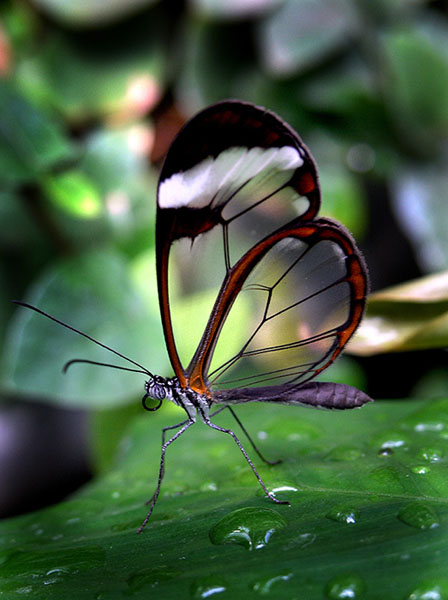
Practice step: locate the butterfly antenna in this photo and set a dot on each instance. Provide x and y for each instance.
(69, 363)
(41, 312)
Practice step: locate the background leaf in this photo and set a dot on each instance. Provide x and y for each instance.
(410, 316)
(293, 39)
(95, 294)
(30, 141)
(419, 201)
(90, 12)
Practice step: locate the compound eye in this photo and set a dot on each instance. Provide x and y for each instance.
(158, 392)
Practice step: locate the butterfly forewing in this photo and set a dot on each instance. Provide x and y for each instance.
(237, 201)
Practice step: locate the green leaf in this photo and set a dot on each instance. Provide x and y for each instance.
(410, 316)
(369, 511)
(95, 294)
(30, 141)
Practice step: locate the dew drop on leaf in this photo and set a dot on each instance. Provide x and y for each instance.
(56, 575)
(430, 590)
(345, 587)
(433, 418)
(206, 587)
(268, 585)
(343, 514)
(421, 469)
(419, 515)
(345, 453)
(430, 454)
(285, 486)
(249, 527)
(386, 479)
(302, 541)
(390, 440)
(150, 577)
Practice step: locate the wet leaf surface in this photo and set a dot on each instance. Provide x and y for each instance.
(368, 516)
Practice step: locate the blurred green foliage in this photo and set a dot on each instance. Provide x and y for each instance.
(92, 92)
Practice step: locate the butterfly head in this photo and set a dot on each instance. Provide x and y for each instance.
(158, 388)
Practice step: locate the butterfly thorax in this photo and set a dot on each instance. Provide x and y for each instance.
(168, 388)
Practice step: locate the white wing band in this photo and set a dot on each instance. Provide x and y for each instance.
(215, 179)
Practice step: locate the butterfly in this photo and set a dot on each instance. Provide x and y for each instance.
(237, 208)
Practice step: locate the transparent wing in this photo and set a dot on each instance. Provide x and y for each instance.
(274, 294)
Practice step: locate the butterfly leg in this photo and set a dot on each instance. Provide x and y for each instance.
(184, 426)
(164, 430)
(252, 443)
(246, 433)
(251, 464)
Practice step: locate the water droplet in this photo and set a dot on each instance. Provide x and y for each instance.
(249, 527)
(205, 587)
(209, 486)
(55, 575)
(345, 453)
(71, 560)
(430, 590)
(150, 577)
(430, 454)
(302, 541)
(421, 469)
(386, 479)
(264, 586)
(283, 487)
(432, 418)
(385, 452)
(390, 440)
(305, 539)
(420, 515)
(406, 556)
(431, 426)
(345, 586)
(343, 514)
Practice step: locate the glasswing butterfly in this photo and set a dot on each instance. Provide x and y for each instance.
(237, 203)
